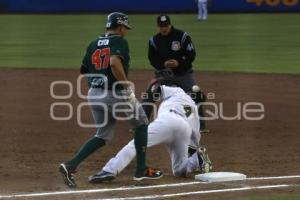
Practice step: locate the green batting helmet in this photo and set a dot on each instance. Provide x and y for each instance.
(116, 19)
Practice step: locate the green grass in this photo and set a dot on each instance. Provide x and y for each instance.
(240, 42)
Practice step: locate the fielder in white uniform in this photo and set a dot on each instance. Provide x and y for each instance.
(202, 9)
(177, 126)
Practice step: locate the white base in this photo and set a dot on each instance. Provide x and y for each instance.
(220, 177)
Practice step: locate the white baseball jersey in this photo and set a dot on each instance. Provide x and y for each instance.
(177, 125)
(175, 98)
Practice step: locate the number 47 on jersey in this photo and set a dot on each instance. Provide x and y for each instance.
(100, 58)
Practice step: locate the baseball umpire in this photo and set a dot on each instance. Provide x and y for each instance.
(171, 52)
(108, 56)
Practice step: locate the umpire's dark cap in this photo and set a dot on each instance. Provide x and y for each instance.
(163, 20)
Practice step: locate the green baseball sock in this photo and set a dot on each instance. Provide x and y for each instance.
(140, 141)
(86, 150)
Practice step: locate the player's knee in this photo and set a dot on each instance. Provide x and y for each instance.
(98, 141)
(103, 136)
(179, 172)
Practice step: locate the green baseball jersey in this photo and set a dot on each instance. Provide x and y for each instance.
(97, 59)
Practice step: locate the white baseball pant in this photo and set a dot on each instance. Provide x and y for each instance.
(172, 130)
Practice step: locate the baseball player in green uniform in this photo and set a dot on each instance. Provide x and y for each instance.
(106, 64)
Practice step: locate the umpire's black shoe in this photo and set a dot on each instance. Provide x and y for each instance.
(149, 173)
(101, 177)
(67, 174)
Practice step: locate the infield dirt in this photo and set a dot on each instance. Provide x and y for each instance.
(32, 144)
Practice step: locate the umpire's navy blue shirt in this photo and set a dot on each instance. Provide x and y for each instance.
(176, 45)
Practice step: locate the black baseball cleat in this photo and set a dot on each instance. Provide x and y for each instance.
(149, 173)
(67, 174)
(101, 176)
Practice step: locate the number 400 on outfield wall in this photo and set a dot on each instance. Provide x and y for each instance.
(274, 3)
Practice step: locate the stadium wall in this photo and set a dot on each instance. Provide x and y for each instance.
(144, 6)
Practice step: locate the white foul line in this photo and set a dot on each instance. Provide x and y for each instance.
(128, 188)
(101, 190)
(274, 177)
(200, 192)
